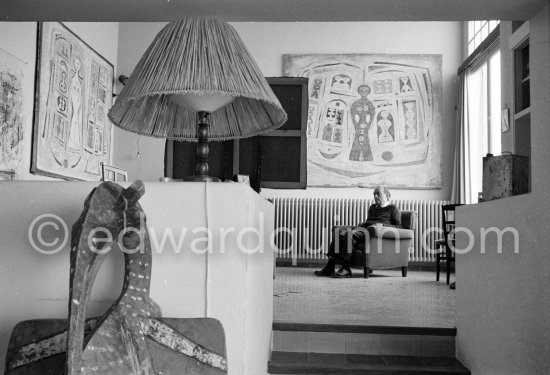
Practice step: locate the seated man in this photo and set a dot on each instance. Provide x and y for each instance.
(382, 212)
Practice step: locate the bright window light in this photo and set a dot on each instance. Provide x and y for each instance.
(478, 31)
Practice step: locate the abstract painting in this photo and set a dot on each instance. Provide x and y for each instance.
(373, 119)
(11, 111)
(72, 134)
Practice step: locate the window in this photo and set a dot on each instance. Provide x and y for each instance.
(479, 120)
(478, 31)
(484, 113)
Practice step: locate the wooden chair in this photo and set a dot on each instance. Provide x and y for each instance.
(446, 244)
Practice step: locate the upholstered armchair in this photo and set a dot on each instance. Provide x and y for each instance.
(386, 247)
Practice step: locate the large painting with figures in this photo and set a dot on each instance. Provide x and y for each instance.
(373, 119)
(72, 134)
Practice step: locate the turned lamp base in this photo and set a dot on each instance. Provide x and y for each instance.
(201, 165)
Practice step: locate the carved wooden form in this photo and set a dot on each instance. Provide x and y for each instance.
(130, 337)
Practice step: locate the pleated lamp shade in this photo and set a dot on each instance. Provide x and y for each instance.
(191, 63)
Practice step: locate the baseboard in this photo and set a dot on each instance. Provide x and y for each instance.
(316, 263)
(306, 263)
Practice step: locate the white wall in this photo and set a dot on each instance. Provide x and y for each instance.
(19, 39)
(502, 298)
(142, 157)
(267, 43)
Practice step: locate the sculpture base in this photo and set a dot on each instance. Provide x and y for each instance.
(201, 178)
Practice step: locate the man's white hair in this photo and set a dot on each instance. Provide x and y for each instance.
(384, 190)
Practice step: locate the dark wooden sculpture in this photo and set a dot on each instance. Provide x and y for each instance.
(130, 337)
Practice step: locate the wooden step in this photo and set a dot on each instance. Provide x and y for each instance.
(370, 340)
(355, 328)
(343, 364)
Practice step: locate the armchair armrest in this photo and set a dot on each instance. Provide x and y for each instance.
(379, 231)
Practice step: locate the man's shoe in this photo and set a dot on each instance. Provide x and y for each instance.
(323, 272)
(342, 273)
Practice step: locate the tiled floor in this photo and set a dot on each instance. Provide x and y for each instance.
(385, 299)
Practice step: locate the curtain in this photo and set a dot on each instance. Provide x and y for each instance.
(476, 132)
(461, 187)
(477, 126)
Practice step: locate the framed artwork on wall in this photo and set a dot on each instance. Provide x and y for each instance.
(112, 173)
(12, 117)
(372, 119)
(72, 134)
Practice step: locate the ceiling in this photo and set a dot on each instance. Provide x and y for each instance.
(268, 10)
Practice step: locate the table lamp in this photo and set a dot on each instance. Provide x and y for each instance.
(197, 70)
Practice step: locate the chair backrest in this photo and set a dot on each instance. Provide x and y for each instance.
(448, 215)
(409, 219)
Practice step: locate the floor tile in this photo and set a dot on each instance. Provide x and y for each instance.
(289, 357)
(290, 341)
(327, 342)
(399, 345)
(327, 359)
(437, 346)
(439, 362)
(397, 360)
(363, 343)
(359, 359)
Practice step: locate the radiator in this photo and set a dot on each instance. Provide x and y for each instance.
(303, 225)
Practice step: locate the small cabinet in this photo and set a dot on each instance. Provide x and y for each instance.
(522, 100)
(274, 160)
(519, 46)
(278, 159)
(522, 85)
